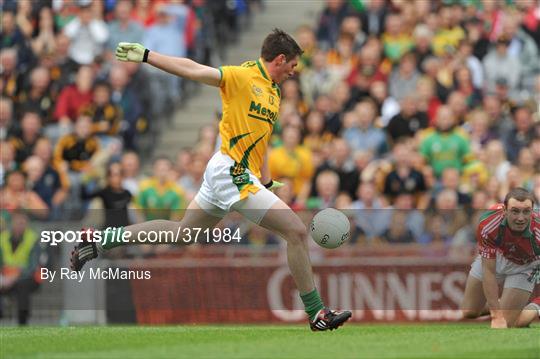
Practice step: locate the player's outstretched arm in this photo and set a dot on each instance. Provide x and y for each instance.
(178, 66)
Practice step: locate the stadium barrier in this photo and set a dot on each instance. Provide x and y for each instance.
(262, 291)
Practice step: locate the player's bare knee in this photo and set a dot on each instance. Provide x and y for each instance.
(296, 234)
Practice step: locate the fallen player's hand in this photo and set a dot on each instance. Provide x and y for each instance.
(273, 185)
(127, 51)
(498, 323)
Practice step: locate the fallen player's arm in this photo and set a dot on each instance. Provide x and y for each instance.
(178, 66)
(491, 292)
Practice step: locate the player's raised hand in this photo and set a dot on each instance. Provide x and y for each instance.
(127, 51)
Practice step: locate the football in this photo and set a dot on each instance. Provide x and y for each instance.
(330, 228)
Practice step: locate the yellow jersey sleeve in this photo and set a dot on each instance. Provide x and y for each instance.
(233, 78)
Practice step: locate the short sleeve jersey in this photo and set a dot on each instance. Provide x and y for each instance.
(494, 236)
(250, 101)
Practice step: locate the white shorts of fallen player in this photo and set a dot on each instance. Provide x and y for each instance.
(219, 195)
(508, 273)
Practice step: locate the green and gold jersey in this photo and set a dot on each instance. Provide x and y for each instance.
(160, 201)
(250, 101)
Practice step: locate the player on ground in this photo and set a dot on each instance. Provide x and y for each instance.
(509, 244)
(237, 177)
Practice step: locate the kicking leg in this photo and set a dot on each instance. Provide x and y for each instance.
(281, 220)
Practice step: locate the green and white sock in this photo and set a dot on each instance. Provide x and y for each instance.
(312, 303)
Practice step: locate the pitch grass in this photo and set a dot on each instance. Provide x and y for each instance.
(352, 341)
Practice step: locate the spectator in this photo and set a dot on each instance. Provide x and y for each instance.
(404, 78)
(360, 132)
(387, 106)
(340, 162)
(114, 197)
(191, 181)
(330, 22)
(403, 179)
(158, 196)
(449, 32)
(352, 25)
(398, 232)
(12, 36)
(10, 77)
(458, 104)
(6, 117)
(316, 137)
(123, 28)
(522, 46)
(445, 220)
(479, 128)
(502, 68)
(395, 39)
(73, 157)
(131, 172)
(44, 43)
(374, 18)
(326, 189)
(88, 34)
(106, 117)
(422, 44)
(127, 100)
(369, 211)
(342, 58)
(427, 100)
(501, 122)
(318, 79)
(25, 141)
(521, 135)
(450, 180)
(71, 100)
(299, 163)
(46, 182)
(7, 160)
(445, 146)
(308, 43)
(463, 83)
(44, 150)
(15, 196)
(408, 121)
(465, 53)
(286, 194)
(526, 167)
(38, 97)
(167, 36)
(19, 262)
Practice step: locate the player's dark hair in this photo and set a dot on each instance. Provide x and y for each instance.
(279, 42)
(519, 194)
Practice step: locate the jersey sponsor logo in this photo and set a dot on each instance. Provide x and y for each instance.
(265, 113)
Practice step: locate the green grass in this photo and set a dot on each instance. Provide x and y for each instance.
(352, 341)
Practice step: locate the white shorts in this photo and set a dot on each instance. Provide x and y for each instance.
(511, 274)
(219, 194)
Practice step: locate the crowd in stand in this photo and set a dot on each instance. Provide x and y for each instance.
(411, 116)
